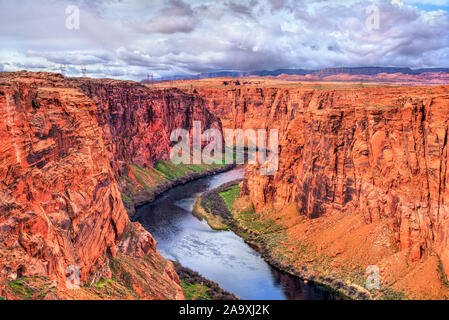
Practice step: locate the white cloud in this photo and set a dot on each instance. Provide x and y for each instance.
(128, 38)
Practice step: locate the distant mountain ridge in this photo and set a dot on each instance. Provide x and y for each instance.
(321, 73)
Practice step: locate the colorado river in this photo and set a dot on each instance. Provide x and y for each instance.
(220, 256)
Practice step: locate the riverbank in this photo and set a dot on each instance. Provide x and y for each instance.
(226, 209)
(221, 256)
(140, 186)
(196, 287)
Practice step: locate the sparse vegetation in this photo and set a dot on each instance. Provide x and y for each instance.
(125, 198)
(140, 178)
(119, 273)
(195, 291)
(443, 277)
(196, 287)
(216, 205)
(21, 288)
(204, 212)
(230, 195)
(389, 294)
(28, 288)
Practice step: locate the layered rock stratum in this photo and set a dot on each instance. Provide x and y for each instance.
(362, 178)
(64, 144)
(365, 165)
(137, 121)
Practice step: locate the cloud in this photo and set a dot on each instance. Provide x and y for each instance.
(128, 38)
(178, 16)
(30, 65)
(277, 4)
(139, 59)
(72, 57)
(240, 9)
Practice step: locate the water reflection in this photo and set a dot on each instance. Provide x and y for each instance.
(218, 255)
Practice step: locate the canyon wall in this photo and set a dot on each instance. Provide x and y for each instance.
(380, 152)
(137, 121)
(60, 204)
(246, 107)
(64, 143)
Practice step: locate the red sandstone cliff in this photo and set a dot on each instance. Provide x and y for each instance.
(384, 156)
(380, 153)
(137, 121)
(60, 202)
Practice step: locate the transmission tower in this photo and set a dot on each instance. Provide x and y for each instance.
(63, 68)
(150, 76)
(83, 71)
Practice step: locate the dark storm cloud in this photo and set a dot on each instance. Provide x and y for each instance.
(242, 9)
(176, 17)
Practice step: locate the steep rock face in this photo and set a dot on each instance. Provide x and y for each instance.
(383, 154)
(137, 121)
(240, 107)
(379, 151)
(60, 204)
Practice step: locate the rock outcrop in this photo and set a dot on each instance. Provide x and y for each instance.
(137, 121)
(60, 203)
(382, 153)
(379, 152)
(64, 144)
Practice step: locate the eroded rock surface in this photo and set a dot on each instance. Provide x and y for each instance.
(64, 144)
(137, 121)
(379, 152)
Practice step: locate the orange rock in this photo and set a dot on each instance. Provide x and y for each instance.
(63, 143)
(137, 121)
(61, 202)
(379, 151)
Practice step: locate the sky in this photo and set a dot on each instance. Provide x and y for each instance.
(128, 39)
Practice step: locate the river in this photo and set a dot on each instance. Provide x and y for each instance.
(220, 256)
